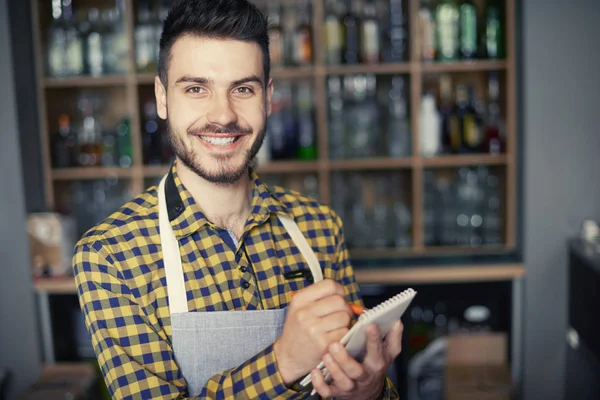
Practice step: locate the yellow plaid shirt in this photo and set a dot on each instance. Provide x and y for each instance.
(122, 290)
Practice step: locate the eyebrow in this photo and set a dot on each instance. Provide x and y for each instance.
(205, 81)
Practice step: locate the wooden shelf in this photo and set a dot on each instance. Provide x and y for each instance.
(469, 250)
(463, 160)
(400, 275)
(145, 78)
(378, 163)
(450, 274)
(285, 167)
(380, 253)
(85, 173)
(376, 69)
(464, 66)
(292, 72)
(84, 81)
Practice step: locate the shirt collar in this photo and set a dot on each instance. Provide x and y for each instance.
(187, 217)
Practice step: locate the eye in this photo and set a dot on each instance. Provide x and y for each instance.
(244, 90)
(195, 90)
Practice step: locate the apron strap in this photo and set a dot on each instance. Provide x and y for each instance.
(172, 259)
(303, 246)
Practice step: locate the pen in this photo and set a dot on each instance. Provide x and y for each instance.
(356, 309)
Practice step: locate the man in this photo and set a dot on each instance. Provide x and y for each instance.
(187, 289)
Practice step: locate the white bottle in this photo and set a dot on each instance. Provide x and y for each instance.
(429, 127)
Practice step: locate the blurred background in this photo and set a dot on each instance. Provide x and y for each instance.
(457, 139)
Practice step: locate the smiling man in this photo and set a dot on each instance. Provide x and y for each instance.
(187, 289)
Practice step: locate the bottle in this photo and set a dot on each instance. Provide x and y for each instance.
(335, 115)
(427, 32)
(333, 33)
(74, 45)
(90, 132)
(276, 44)
(429, 126)
(494, 32)
(493, 140)
(144, 39)
(275, 128)
(151, 135)
(64, 144)
(397, 34)
(94, 54)
(351, 32)
(303, 37)
(161, 15)
(123, 142)
(307, 146)
(114, 41)
(398, 121)
(57, 43)
(468, 30)
(446, 110)
(370, 35)
(447, 27)
(470, 121)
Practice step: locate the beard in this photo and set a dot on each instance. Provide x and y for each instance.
(225, 173)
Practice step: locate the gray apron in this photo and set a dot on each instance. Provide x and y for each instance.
(206, 343)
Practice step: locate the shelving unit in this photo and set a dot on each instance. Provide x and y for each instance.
(139, 175)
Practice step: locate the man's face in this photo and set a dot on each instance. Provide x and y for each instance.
(216, 105)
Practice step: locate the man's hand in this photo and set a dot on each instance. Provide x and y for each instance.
(353, 380)
(318, 315)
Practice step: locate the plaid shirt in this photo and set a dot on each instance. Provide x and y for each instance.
(122, 288)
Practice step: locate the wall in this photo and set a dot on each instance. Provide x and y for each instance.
(19, 347)
(561, 165)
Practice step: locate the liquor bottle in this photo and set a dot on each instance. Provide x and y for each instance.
(447, 28)
(494, 32)
(351, 23)
(336, 128)
(333, 32)
(275, 128)
(397, 33)
(57, 43)
(276, 43)
(307, 146)
(64, 144)
(145, 39)
(89, 135)
(470, 125)
(427, 33)
(161, 14)
(151, 135)
(398, 120)
(429, 127)
(115, 47)
(370, 35)
(123, 143)
(93, 43)
(74, 41)
(468, 30)
(446, 110)
(303, 37)
(493, 140)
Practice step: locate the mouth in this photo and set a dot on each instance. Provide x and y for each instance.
(220, 140)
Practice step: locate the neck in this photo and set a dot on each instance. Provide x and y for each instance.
(225, 205)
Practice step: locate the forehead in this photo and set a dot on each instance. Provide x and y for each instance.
(221, 60)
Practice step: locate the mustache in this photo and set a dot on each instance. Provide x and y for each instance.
(232, 128)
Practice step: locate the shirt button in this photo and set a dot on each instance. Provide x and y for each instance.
(178, 208)
(245, 285)
(243, 269)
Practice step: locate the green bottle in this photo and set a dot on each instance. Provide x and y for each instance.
(494, 30)
(447, 28)
(468, 30)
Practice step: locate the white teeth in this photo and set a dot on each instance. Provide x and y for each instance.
(219, 141)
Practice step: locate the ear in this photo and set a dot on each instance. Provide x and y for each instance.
(160, 92)
(269, 96)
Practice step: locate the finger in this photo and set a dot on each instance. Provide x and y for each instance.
(393, 340)
(316, 291)
(349, 366)
(329, 305)
(319, 384)
(340, 379)
(375, 359)
(332, 322)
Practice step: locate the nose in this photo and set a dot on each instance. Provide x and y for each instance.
(221, 111)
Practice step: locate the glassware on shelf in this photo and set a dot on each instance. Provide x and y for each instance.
(399, 134)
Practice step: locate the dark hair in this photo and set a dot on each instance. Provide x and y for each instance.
(218, 19)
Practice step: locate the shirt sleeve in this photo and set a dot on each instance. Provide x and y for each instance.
(135, 353)
(344, 274)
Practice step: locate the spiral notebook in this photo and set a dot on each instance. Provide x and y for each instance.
(385, 315)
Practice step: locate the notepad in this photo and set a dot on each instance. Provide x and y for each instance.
(385, 315)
